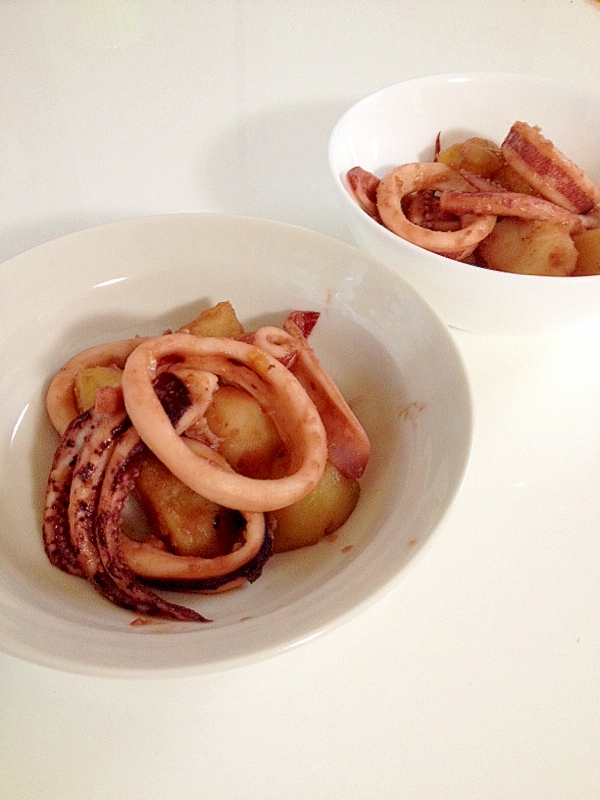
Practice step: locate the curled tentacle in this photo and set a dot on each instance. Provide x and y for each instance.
(423, 209)
(56, 532)
(110, 423)
(124, 587)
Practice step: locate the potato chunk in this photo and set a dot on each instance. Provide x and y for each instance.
(477, 155)
(188, 522)
(529, 247)
(88, 381)
(220, 320)
(321, 512)
(588, 249)
(509, 178)
(249, 439)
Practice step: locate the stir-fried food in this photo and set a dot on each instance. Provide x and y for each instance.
(234, 444)
(519, 207)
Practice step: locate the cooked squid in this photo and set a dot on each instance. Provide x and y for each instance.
(549, 171)
(167, 385)
(450, 206)
(404, 181)
(240, 364)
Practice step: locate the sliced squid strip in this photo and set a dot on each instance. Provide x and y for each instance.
(305, 321)
(349, 447)
(273, 386)
(60, 400)
(56, 532)
(480, 183)
(508, 204)
(548, 170)
(591, 221)
(410, 178)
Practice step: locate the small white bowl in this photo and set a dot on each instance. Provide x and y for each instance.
(391, 356)
(398, 125)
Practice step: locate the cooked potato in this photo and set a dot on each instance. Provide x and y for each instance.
(321, 512)
(529, 247)
(250, 441)
(509, 178)
(588, 249)
(88, 381)
(188, 522)
(477, 155)
(220, 320)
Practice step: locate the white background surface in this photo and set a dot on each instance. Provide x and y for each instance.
(478, 676)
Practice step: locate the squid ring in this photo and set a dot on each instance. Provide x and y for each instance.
(434, 176)
(294, 414)
(147, 561)
(60, 401)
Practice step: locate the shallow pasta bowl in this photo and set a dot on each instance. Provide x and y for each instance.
(390, 354)
(399, 124)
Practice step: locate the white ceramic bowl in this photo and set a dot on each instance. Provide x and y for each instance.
(391, 355)
(399, 124)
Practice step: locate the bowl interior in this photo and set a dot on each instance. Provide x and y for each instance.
(399, 124)
(389, 353)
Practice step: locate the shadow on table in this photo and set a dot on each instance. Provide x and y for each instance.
(272, 165)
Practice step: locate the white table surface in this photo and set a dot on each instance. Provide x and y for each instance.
(478, 676)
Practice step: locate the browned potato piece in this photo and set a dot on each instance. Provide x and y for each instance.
(509, 178)
(220, 320)
(189, 523)
(88, 381)
(588, 248)
(321, 512)
(477, 155)
(529, 247)
(250, 441)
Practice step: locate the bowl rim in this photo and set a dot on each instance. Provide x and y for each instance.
(443, 78)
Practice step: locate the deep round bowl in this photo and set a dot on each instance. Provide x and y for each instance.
(391, 356)
(398, 125)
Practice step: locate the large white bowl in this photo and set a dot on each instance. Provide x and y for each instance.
(399, 124)
(390, 354)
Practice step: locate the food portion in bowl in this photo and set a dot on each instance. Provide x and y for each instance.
(520, 207)
(234, 443)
